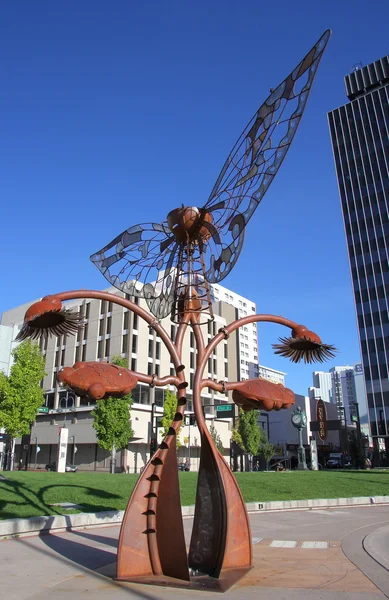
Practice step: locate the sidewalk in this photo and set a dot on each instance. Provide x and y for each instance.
(297, 555)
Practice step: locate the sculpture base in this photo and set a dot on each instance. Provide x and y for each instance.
(228, 577)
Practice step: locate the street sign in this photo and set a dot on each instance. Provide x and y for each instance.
(43, 409)
(225, 411)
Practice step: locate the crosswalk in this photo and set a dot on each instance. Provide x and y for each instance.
(311, 545)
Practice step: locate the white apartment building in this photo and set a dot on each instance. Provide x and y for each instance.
(111, 330)
(322, 386)
(271, 374)
(248, 335)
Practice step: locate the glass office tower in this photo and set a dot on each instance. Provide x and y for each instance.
(360, 140)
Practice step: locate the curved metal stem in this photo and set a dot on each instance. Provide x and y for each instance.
(197, 405)
(152, 322)
(224, 333)
(156, 495)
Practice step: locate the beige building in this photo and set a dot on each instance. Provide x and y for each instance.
(111, 330)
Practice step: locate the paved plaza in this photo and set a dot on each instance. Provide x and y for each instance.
(328, 554)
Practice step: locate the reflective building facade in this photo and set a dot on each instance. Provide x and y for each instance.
(360, 140)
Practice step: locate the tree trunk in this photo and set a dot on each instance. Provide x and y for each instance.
(113, 460)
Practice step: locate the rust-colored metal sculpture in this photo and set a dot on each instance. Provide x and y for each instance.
(262, 394)
(98, 380)
(171, 266)
(152, 545)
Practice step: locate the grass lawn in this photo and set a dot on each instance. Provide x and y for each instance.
(26, 494)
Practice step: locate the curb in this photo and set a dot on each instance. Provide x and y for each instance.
(33, 525)
(376, 545)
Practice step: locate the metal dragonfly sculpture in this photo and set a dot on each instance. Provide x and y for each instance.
(171, 266)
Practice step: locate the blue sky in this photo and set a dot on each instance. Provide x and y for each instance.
(113, 113)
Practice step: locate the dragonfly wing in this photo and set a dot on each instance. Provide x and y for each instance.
(141, 262)
(255, 159)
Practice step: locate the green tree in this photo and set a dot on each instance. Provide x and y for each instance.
(216, 438)
(247, 433)
(112, 421)
(266, 449)
(20, 393)
(169, 411)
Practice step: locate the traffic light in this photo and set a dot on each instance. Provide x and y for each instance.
(153, 446)
(192, 420)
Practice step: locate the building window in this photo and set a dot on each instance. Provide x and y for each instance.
(135, 321)
(133, 364)
(86, 331)
(191, 339)
(57, 364)
(83, 357)
(150, 348)
(150, 368)
(100, 349)
(157, 370)
(134, 344)
(159, 396)
(54, 382)
(107, 347)
(103, 307)
(77, 356)
(125, 344)
(125, 320)
(109, 306)
(191, 360)
(225, 369)
(225, 351)
(158, 350)
(63, 357)
(109, 325)
(101, 327)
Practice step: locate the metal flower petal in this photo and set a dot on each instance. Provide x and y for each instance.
(48, 317)
(304, 345)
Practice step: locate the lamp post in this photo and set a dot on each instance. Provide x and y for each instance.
(299, 420)
(361, 449)
(345, 444)
(66, 399)
(73, 437)
(36, 451)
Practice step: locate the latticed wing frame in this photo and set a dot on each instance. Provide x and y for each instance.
(142, 261)
(254, 161)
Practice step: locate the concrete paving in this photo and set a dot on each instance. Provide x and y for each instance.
(334, 566)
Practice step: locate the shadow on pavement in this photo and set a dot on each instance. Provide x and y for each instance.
(97, 538)
(63, 550)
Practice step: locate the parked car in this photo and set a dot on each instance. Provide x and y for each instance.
(68, 467)
(333, 464)
(319, 466)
